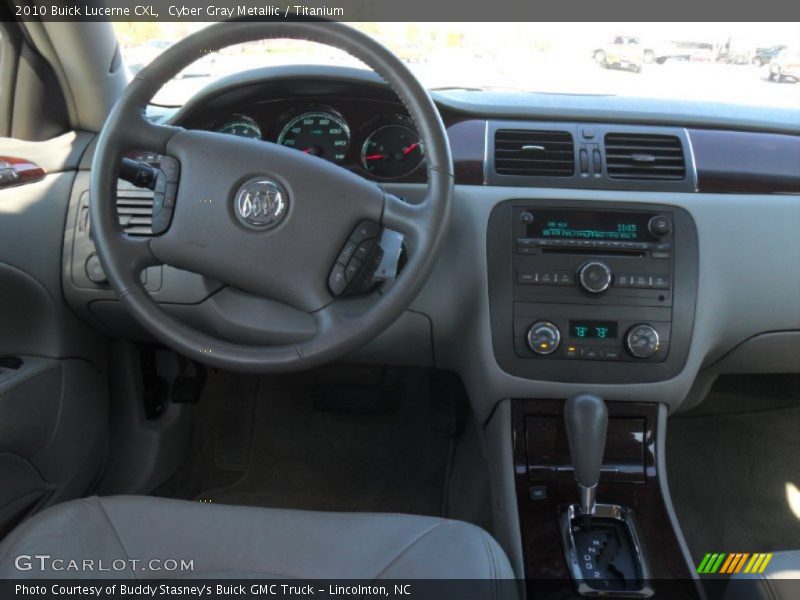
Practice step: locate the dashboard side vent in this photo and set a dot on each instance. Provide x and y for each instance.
(534, 153)
(644, 156)
(135, 209)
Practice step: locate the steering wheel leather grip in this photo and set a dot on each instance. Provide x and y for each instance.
(287, 263)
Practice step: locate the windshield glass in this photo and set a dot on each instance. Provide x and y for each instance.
(741, 63)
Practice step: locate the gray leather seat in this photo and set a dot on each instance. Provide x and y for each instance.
(243, 542)
(780, 580)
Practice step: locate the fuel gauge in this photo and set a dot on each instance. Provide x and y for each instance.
(391, 151)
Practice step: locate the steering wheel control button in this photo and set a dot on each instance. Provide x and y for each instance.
(543, 337)
(364, 249)
(337, 280)
(352, 269)
(347, 252)
(261, 204)
(357, 261)
(659, 226)
(165, 193)
(642, 341)
(594, 277)
(364, 231)
(170, 167)
(94, 270)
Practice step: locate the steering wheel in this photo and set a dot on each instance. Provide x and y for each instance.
(266, 219)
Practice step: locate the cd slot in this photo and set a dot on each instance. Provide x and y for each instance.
(596, 251)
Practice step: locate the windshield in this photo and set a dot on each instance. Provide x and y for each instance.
(713, 62)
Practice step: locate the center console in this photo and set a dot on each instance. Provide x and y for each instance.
(591, 291)
(594, 511)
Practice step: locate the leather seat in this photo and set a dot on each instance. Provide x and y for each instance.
(244, 542)
(780, 580)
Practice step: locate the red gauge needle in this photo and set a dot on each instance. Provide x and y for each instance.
(374, 157)
(410, 149)
(307, 151)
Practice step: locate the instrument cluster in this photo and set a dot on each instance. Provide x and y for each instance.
(382, 146)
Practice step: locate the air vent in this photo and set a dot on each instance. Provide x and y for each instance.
(135, 209)
(644, 156)
(534, 153)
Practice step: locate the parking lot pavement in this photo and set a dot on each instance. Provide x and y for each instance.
(738, 84)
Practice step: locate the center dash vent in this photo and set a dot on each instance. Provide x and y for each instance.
(644, 156)
(534, 153)
(135, 209)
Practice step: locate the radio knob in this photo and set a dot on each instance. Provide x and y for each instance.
(594, 277)
(543, 337)
(659, 226)
(642, 341)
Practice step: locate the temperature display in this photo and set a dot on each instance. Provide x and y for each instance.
(593, 329)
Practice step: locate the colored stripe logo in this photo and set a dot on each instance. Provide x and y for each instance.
(735, 562)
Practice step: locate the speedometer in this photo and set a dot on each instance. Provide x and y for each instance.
(319, 133)
(242, 127)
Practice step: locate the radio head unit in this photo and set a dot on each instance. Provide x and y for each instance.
(585, 283)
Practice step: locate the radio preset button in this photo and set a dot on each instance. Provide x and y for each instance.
(660, 282)
(594, 277)
(543, 337)
(564, 278)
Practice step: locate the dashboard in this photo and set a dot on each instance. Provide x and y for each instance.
(362, 132)
(372, 139)
(659, 250)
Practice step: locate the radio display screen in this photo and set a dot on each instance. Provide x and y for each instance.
(589, 225)
(593, 329)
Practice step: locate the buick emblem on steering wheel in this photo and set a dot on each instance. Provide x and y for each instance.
(261, 203)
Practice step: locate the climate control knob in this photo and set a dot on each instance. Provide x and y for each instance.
(594, 277)
(642, 341)
(543, 337)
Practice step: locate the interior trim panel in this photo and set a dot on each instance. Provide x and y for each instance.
(592, 328)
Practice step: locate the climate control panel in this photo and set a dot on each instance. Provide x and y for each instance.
(570, 338)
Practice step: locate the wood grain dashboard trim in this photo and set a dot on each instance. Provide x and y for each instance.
(736, 162)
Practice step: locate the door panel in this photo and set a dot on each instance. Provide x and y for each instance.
(53, 407)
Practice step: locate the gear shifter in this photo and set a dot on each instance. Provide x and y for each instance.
(586, 419)
(601, 541)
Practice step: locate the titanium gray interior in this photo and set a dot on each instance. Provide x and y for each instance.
(115, 326)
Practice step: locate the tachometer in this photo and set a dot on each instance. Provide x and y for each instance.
(320, 133)
(242, 127)
(391, 151)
